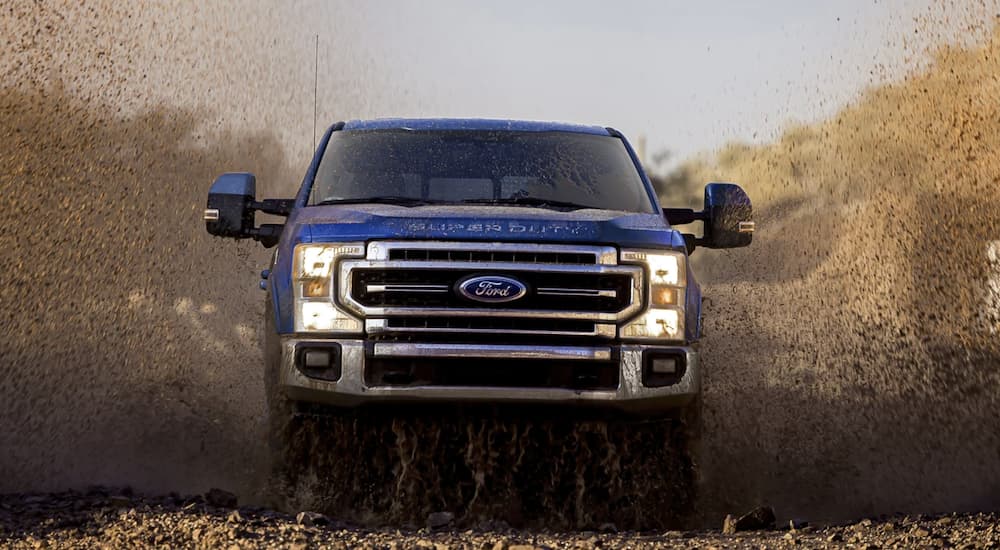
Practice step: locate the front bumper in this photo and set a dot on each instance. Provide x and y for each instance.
(351, 389)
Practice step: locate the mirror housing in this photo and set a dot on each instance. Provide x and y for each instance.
(229, 212)
(728, 218)
(231, 207)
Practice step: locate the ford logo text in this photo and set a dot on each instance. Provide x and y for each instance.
(492, 289)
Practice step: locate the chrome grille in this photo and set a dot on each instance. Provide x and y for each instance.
(434, 288)
(410, 287)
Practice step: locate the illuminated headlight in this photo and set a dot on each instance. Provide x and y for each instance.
(666, 324)
(665, 269)
(314, 275)
(666, 288)
(318, 315)
(315, 262)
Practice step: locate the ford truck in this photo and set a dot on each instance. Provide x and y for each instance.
(479, 261)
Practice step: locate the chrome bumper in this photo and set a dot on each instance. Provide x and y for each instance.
(350, 390)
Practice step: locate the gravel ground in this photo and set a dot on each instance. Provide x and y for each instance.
(100, 517)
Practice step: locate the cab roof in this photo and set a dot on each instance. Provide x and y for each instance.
(473, 124)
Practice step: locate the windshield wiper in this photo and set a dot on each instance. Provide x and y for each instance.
(401, 201)
(530, 201)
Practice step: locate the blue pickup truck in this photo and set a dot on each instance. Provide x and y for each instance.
(479, 261)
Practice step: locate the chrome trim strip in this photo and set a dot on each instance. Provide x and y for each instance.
(479, 266)
(604, 255)
(490, 351)
(490, 312)
(211, 215)
(586, 292)
(374, 289)
(381, 326)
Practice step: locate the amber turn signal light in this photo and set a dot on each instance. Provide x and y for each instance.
(664, 296)
(316, 288)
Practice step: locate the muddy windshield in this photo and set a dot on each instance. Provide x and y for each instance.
(557, 170)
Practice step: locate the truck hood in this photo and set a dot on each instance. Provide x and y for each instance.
(480, 223)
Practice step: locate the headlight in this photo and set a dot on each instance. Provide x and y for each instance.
(665, 269)
(313, 278)
(666, 288)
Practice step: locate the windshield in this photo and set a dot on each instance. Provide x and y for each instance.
(546, 169)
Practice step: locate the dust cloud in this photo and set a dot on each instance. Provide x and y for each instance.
(852, 354)
(852, 358)
(130, 349)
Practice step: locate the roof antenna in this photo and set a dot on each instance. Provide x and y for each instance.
(315, 91)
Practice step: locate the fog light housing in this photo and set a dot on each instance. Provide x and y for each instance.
(320, 360)
(316, 359)
(663, 368)
(663, 365)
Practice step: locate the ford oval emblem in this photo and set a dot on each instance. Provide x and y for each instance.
(493, 289)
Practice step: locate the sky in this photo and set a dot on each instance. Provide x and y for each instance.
(688, 76)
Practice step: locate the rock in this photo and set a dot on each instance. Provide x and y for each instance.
(220, 499)
(311, 519)
(759, 518)
(234, 517)
(119, 501)
(96, 491)
(522, 547)
(836, 537)
(729, 525)
(920, 532)
(438, 520)
(796, 524)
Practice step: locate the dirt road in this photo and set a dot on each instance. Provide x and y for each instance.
(109, 518)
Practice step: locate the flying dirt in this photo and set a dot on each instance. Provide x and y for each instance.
(852, 354)
(861, 375)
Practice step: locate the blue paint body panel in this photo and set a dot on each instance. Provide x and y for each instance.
(363, 223)
(235, 183)
(484, 124)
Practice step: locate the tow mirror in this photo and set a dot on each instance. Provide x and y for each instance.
(231, 206)
(229, 212)
(728, 218)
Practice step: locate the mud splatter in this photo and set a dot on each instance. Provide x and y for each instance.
(523, 469)
(851, 366)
